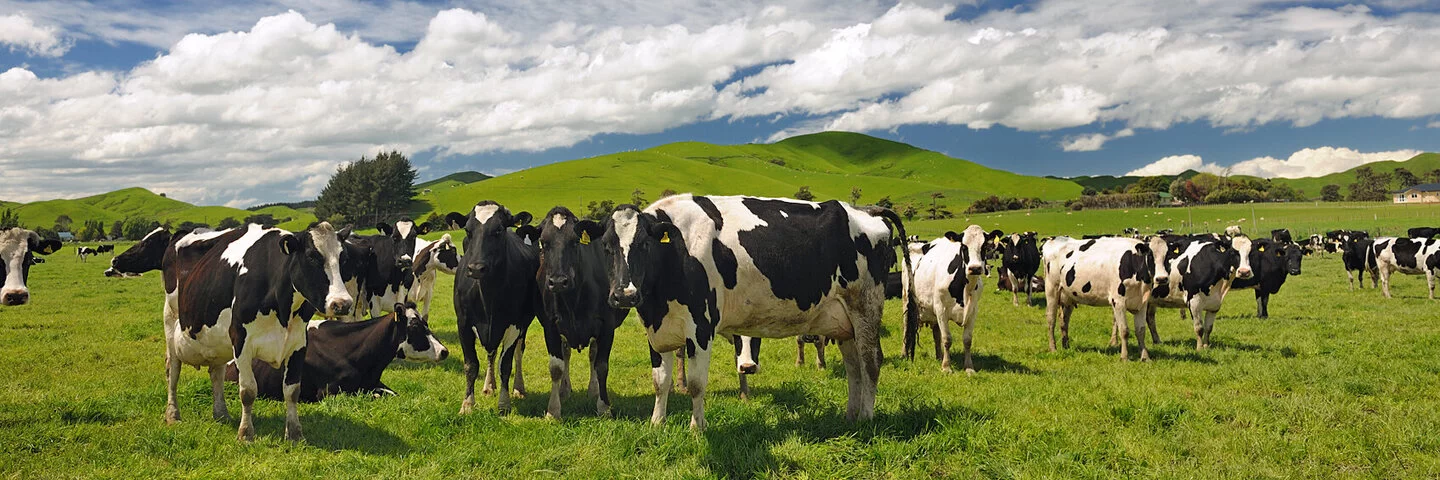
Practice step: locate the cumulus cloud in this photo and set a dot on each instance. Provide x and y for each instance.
(19, 32)
(1309, 162)
(234, 108)
(1092, 142)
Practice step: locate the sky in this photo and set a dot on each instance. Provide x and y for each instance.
(240, 103)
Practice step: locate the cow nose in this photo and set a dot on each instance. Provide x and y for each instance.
(340, 306)
(476, 269)
(976, 270)
(557, 283)
(15, 298)
(621, 300)
(749, 369)
(1244, 273)
(444, 353)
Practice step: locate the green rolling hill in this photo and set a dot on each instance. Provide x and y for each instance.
(1419, 165)
(139, 202)
(830, 163)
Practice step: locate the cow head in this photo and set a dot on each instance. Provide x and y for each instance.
(1242, 246)
(486, 229)
(639, 245)
(389, 247)
(1164, 248)
(1015, 245)
(420, 344)
(440, 255)
(408, 232)
(17, 249)
(562, 236)
(973, 241)
(315, 256)
(1293, 254)
(144, 256)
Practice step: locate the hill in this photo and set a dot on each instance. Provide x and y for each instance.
(1419, 165)
(468, 176)
(1111, 182)
(139, 202)
(830, 163)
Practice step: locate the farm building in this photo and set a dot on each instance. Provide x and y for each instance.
(1426, 193)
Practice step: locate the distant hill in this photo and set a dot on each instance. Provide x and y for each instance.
(305, 205)
(1110, 182)
(138, 202)
(1419, 165)
(830, 163)
(454, 178)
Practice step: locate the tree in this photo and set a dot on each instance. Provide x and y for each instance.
(92, 230)
(370, 190)
(1406, 178)
(909, 211)
(885, 202)
(138, 227)
(854, 195)
(436, 222)
(1433, 176)
(117, 230)
(1149, 184)
(63, 223)
(188, 225)
(597, 211)
(9, 219)
(1089, 192)
(937, 211)
(262, 219)
(1330, 193)
(1370, 186)
(228, 222)
(1282, 191)
(804, 194)
(637, 198)
(667, 192)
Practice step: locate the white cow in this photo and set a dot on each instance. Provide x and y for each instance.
(1111, 272)
(947, 285)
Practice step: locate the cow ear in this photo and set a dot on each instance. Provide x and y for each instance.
(952, 236)
(385, 228)
(423, 228)
(529, 234)
(994, 234)
(666, 232)
(589, 231)
(46, 247)
(289, 244)
(345, 233)
(521, 219)
(455, 220)
(399, 309)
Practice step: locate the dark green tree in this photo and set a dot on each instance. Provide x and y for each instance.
(885, 202)
(597, 211)
(117, 230)
(9, 219)
(228, 222)
(1405, 178)
(854, 195)
(1370, 186)
(804, 194)
(370, 190)
(137, 227)
(637, 198)
(1330, 193)
(63, 223)
(92, 230)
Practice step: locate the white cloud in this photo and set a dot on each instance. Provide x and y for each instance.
(1092, 142)
(1309, 162)
(18, 31)
(1174, 165)
(1434, 124)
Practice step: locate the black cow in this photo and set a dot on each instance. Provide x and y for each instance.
(110, 249)
(247, 297)
(1281, 235)
(697, 268)
(1273, 261)
(496, 295)
(1423, 232)
(350, 357)
(575, 275)
(1020, 259)
(85, 252)
(18, 247)
(1359, 257)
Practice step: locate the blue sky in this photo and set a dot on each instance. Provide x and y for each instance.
(220, 103)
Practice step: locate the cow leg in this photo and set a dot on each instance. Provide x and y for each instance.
(508, 346)
(820, 352)
(245, 366)
(1141, 321)
(1259, 303)
(971, 311)
(1265, 306)
(600, 373)
(1014, 289)
(1199, 318)
(1150, 322)
(1209, 326)
(699, 360)
(217, 391)
(799, 350)
(1065, 313)
(594, 382)
(293, 369)
(862, 357)
(172, 382)
(1385, 281)
(1124, 334)
(680, 379)
(559, 369)
(1351, 275)
(519, 391)
(1050, 310)
(1114, 333)
(1029, 289)
(660, 364)
(744, 386)
(472, 368)
(942, 346)
(489, 387)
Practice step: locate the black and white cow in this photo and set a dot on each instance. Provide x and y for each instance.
(83, 252)
(947, 285)
(1195, 274)
(1358, 256)
(1423, 232)
(575, 281)
(1020, 260)
(105, 248)
(1281, 235)
(697, 268)
(18, 247)
(383, 276)
(247, 297)
(431, 259)
(1233, 231)
(1410, 256)
(1273, 262)
(497, 295)
(350, 357)
(1113, 272)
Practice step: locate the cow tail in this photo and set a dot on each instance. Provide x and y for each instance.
(911, 309)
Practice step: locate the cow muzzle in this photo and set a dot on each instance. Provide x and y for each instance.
(627, 297)
(15, 298)
(112, 272)
(975, 269)
(475, 270)
(557, 283)
(339, 307)
(1243, 273)
(748, 369)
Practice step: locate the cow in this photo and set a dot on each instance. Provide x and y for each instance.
(83, 252)
(382, 277)
(1233, 231)
(18, 248)
(574, 277)
(1165, 231)
(350, 357)
(1411, 256)
(697, 267)
(1423, 232)
(248, 297)
(1114, 272)
(1358, 257)
(431, 259)
(105, 248)
(1194, 274)
(1273, 262)
(1314, 245)
(497, 295)
(946, 286)
(747, 357)
(1020, 259)
(1281, 235)
(1132, 232)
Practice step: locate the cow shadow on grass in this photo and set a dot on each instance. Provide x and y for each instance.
(1156, 354)
(331, 432)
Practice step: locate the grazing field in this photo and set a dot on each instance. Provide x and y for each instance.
(1335, 384)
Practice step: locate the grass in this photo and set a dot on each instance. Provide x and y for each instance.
(1336, 384)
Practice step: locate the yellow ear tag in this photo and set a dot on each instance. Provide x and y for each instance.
(1262, 249)
(1177, 250)
(665, 237)
(584, 237)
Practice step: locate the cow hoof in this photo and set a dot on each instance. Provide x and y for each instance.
(969, 372)
(820, 366)
(602, 410)
(294, 436)
(172, 415)
(946, 369)
(503, 408)
(552, 416)
(246, 434)
(697, 426)
(487, 390)
(467, 406)
(517, 393)
(222, 417)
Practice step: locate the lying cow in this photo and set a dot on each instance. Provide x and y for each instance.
(1194, 274)
(946, 289)
(1273, 263)
(350, 357)
(1113, 272)
(697, 268)
(18, 247)
(1410, 256)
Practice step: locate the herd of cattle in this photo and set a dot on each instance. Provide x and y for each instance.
(298, 316)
